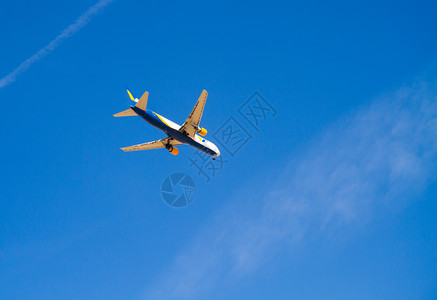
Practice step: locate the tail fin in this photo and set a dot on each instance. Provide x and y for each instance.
(131, 97)
(142, 103)
(126, 113)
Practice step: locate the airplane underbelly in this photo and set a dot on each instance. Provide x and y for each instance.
(177, 135)
(171, 129)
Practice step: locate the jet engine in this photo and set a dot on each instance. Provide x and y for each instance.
(173, 150)
(202, 131)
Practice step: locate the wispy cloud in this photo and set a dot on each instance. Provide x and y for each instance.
(377, 157)
(65, 34)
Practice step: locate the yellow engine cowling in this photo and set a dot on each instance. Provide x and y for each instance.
(202, 131)
(174, 151)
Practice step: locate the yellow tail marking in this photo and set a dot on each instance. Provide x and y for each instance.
(130, 95)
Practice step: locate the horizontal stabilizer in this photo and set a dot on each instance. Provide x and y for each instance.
(126, 113)
(142, 103)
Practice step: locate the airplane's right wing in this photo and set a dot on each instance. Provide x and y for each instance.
(153, 145)
(192, 122)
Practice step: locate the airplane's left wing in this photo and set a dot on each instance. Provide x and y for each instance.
(153, 145)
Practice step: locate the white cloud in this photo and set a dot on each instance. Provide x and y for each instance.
(66, 33)
(379, 156)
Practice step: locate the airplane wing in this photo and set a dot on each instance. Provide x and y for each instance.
(192, 122)
(153, 145)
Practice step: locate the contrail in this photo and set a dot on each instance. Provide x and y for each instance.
(66, 33)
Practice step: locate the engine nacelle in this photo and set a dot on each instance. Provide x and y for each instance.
(174, 150)
(202, 131)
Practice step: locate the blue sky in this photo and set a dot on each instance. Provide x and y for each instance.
(333, 198)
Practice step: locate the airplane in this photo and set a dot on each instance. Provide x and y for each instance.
(176, 134)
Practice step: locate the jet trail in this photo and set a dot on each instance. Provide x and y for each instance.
(66, 33)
